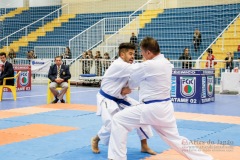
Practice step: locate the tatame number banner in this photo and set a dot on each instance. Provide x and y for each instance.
(24, 79)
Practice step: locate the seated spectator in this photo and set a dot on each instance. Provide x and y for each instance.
(106, 62)
(59, 75)
(31, 54)
(210, 57)
(98, 64)
(197, 39)
(90, 55)
(83, 60)
(186, 56)
(11, 54)
(229, 61)
(67, 54)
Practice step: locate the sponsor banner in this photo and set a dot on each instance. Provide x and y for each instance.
(192, 88)
(193, 71)
(23, 82)
(40, 66)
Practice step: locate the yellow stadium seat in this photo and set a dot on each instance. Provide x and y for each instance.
(50, 96)
(12, 88)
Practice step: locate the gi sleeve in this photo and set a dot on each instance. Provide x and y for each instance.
(137, 75)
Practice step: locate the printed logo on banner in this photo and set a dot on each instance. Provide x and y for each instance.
(203, 95)
(210, 82)
(188, 86)
(24, 78)
(37, 63)
(174, 87)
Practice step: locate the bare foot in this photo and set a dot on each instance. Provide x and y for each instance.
(148, 150)
(94, 144)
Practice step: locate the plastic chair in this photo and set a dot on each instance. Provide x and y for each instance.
(12, 88)
(50, 96)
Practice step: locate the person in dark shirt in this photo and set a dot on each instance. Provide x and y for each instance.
(133, 39)
(7, 70)
(59, 75)
(197, 39)
(11, 54)
(186, 56)
(229, 61)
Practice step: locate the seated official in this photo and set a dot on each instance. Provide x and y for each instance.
(7, 70)
(59, 75)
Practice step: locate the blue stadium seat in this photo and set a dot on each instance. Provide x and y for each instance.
(175, 27)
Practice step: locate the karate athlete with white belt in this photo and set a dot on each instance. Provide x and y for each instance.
(110, 100)
(153, 76)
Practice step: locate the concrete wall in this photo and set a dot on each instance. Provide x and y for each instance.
(99, 6)
(35, 3)
(11, 4)
(194, 3)
(81, 6)
(31, 3)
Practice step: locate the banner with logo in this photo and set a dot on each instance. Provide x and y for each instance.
(24, 79)
(40, 66)
(193, 86)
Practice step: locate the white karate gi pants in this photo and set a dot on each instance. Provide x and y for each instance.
(161, 117)
(107, 108)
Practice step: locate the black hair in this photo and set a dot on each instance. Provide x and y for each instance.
(124, 47)
(209, 50)
(3, 54)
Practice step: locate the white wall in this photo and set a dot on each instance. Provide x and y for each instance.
(34, 3)
(194, 3)
(12, 3)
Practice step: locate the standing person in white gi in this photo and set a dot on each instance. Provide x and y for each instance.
(110, 100)
(154, 79)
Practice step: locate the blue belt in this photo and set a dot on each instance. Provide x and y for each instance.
(118, 101)
(158, 100)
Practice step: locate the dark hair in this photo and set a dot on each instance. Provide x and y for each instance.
(209, 50)
(58, 57)
(149, 43)
(3, 54)
(185, 49)
(124, 47)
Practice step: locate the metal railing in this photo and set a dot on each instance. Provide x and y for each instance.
(124, 34)
(25, 30)
(221, 35)
(99, 66)
(49, 51)
(87, 39)
(81, 42)
(94, 35)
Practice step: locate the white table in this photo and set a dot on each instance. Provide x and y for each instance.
(230, 82)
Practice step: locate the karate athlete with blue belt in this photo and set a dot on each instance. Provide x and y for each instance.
(153, 76)
(110, 100)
